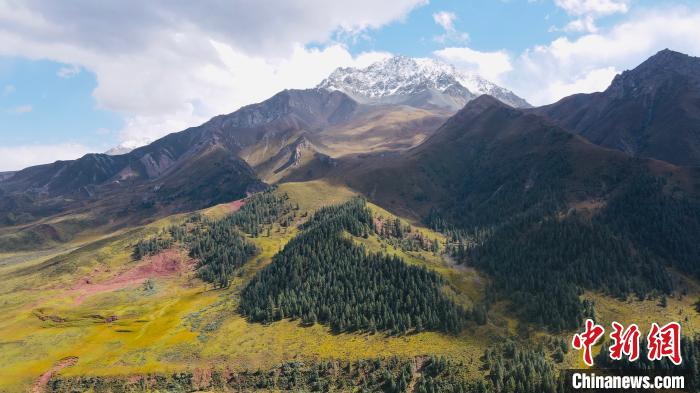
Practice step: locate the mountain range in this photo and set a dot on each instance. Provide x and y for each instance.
(393, 113)
(399, 227)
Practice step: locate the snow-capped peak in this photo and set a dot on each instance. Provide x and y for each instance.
(401, 76)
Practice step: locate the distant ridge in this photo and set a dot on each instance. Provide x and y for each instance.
(652, 110)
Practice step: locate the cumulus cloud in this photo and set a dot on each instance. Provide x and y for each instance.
(446, 20)
(168, 65)
(546, 73)
(490, 65)
(586, 12)
(543, 74)
(582, 24)
(593, 7)
(18, 157)
(585, 82)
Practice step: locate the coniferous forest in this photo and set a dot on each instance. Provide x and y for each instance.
(540, 267)
(220, 249)
(151, 246)
(321, 276)
(219, 245)
(542, 263)
(262, 209)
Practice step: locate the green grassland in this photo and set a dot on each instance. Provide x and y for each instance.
(182, 323)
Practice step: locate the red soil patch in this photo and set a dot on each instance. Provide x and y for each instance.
(378, 225)
(233, 207)
(169, 263)
(44, 379)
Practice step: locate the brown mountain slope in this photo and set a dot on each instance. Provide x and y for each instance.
(543, 212)
(650, 111)
(371, 128)
(490, 162)
(223, 159)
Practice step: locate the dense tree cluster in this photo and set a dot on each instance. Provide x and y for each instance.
(403, 236)
(666, 223)
(541, 259)
(220, 249)
(438, 375)
(540, 266)
(322, 276)
(512, 369)
(262, 210)
(219, 245)
(151, 246)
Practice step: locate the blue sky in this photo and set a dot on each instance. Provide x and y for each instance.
(40, 105)
(82, 77)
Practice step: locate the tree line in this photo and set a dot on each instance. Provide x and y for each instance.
(322, 276)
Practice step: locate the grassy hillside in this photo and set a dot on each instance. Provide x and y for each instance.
(178, 322)
(95, 311)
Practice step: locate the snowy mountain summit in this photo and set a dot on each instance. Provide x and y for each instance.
(415, 81)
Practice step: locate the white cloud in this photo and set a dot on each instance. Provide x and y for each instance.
(587, 11)
(18, 157)
(580, 25)
(21, 109)
(237, 80)
(68, 72)
(593, 7)
(546, 73)
(586, 82)
(176, 64)
(446, 20)
(490, 65)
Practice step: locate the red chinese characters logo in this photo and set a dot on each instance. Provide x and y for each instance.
(665, 342)
(587, 339)
(625, 341)
(662, 342)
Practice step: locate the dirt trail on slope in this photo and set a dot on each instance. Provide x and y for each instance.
(44, 379)
(169, 263)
